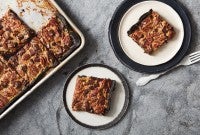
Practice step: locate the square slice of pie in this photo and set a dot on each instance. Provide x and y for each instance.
(14, 33)
(93, 94)
(58, 37)
(151, 32)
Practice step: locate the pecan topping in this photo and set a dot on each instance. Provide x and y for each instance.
(32, 60)
(10, 83)
(92, 94)
(151, 32)
(56, 37)
(14, 33)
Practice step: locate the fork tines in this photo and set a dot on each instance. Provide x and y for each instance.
(195, 56)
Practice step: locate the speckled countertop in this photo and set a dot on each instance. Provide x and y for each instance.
(168, 106)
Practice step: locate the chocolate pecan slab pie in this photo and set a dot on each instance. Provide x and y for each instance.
(14, 33)
(32, 60)
(93, 94)
(58, 37)
(151, 32)
(11, 84)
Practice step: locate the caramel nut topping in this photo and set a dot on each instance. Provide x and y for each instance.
(92, 95)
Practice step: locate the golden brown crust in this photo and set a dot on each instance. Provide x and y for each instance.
(92, 94)
(32, 60)
(11, 84)
(56, 37)
(13, 33)
(151, 32)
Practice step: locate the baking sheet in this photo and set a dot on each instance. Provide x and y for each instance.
(35, 13)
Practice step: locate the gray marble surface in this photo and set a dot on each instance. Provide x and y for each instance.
(168, 106)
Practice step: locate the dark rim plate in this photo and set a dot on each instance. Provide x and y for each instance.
(114, 39)
(126, 103)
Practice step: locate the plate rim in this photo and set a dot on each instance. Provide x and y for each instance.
(125, 106)
(121, 55)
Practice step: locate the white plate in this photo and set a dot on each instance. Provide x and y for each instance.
(135, 52)
(118, 102)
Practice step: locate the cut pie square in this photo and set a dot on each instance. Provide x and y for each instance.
(151, 32)
(14, 33)
(57, 37)
(93, 94)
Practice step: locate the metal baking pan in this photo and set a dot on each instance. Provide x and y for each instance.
(35, 13)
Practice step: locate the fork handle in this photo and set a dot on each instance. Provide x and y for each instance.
(144, 80)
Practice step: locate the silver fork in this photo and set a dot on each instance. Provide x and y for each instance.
(188, 60)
